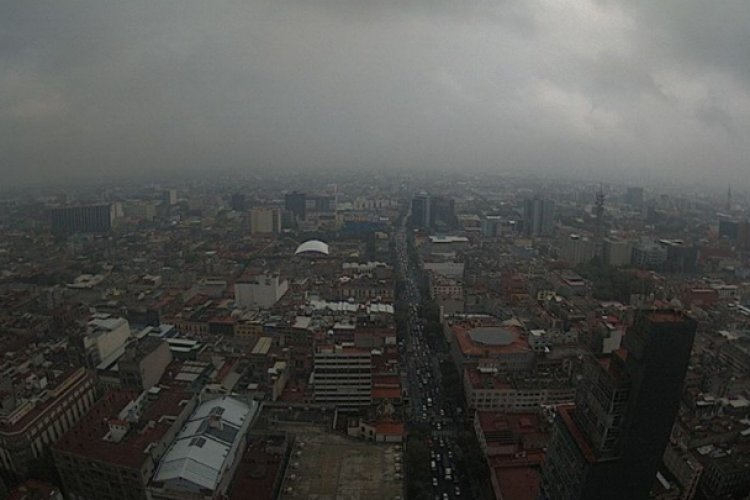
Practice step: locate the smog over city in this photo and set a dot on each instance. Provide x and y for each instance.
(375, 250)
(618, 90)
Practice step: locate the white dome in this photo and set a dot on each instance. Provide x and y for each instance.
(312, 246)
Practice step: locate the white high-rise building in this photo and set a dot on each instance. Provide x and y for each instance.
(264, 220)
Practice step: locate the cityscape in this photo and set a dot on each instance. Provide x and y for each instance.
(375, 250)
(485, 337)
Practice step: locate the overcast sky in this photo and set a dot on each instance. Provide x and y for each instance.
(636, 87)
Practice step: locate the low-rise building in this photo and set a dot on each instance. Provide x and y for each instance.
(113, 451)
(201, 462)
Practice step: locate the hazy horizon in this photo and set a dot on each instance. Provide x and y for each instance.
(631, 90)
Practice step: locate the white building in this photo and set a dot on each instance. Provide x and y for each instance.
(202, 460)
(342, 375)
(105, 337)
(259, 291)
(264, 220)
(576, 249)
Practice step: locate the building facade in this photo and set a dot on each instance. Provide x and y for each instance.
(611, 443)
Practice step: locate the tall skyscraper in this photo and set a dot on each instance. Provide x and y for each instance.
(237, 202)
(611, 442)
(539, 217)
(420, 211)
(265, 220)
(296, 203)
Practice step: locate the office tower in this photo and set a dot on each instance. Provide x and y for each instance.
(611, 442)
(539, 217)
(443, 213)
(237, 202)
(169, 197)
(82, 219)
(265, 220)
(420, 211)
(296, 203)
(433, 212)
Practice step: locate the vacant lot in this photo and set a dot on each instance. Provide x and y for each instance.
(332, 467)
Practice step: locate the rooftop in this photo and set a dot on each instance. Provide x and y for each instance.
(203, 449)
(501, 340)
(86, 438)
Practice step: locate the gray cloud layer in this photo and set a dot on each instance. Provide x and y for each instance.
(629, 86)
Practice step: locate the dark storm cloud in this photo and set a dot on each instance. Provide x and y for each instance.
(100, 89)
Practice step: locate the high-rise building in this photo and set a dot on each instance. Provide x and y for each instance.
(433, 212)
(420, 211)
(611, 442)
(296, 203)
(82, 219)
(539, 217)
(617, 252)
(264, 220)
(169, 197)
(237, 202)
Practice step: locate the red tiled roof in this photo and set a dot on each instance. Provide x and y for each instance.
(86, 437)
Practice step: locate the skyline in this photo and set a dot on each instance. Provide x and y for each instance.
(606, 89)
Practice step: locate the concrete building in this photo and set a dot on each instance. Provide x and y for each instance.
(37, 413)
(649, 255)
(104, 338)
(611, 443)
(82, 219)
(259, 290)
(577, 249)
(485, 390)
(490, 346)
(296, 204)
(539, 217)
(113, 451)
(201, 461)
(143, 363)
(265, 220)
(617, 252)
(342, 375)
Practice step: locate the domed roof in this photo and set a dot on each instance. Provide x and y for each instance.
(492, 335)
(312, 246)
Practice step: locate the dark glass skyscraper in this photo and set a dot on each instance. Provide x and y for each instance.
(610, 444)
